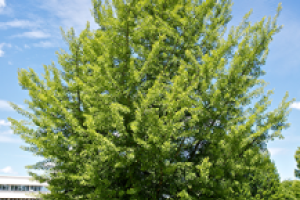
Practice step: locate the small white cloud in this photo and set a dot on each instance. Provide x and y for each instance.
(33, 34)
(9, 139)
(2, 3)
(4, 105)
(7, 136)
(10, 63)
(26, 46)
(71, 13)
(4, 9)
(276, 151)
(18, 48)
(44, 44)
(1, 46)
(18, 24)
(4, 123)
(8, 170)
(8, 132)
(295, 105)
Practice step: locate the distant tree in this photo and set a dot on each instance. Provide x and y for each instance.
(293, 186)
(296, 188)
(170, 122)
(283, 194)
(297, 157)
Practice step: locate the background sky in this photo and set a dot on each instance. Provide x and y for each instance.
(30, 35)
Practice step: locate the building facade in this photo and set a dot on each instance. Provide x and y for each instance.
(20, 188)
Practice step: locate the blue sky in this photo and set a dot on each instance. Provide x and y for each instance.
(30, 35)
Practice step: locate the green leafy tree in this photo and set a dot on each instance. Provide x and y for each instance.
(152, 105)
(283, 194)
(263, 178)
(297, 157)
(293, 186)
(297, 175)
(296, 188)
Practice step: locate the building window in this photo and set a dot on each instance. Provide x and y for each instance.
(4, 187)
(16, 188)
(19, 188)
(35, 188)
(44, 189)
(25, 188)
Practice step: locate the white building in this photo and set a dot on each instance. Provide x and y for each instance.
(20, 188)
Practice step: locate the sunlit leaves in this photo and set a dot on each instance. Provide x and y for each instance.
(168, 120)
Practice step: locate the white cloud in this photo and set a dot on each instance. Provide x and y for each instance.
(44, 44)
(276, 151)
(7, 136)
(26, 46)
(8, 170)
(4, 105)
(1, 46)
(4, 9)
(9, 139)
(8, 132)
(64, 13)
(18, 24)
(295, 105)
(10, 63)
(71, 13)
(33, 34)
(2, 3)
(18, 48)
(4, 123)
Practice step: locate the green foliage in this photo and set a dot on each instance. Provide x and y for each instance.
(297, 157)
(283, 194)
(292, 187)
(169, 122)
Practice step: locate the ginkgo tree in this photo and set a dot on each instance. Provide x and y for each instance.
(153, 105)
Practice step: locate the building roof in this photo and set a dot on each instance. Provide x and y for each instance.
(20, 180)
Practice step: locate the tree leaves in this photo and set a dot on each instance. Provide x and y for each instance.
(183, 132)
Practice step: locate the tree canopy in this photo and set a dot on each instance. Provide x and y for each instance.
(153, 105)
